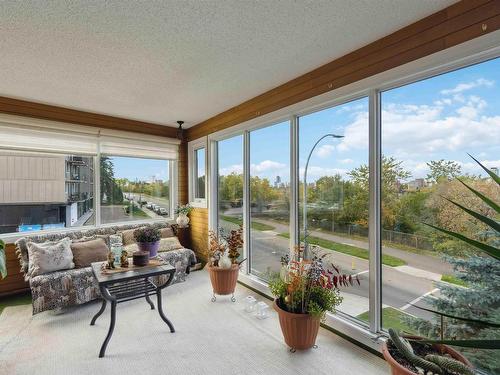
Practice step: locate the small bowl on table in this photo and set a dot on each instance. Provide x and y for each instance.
(140, 258)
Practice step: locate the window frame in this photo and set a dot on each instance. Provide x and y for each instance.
(173, 182)
(452, 59)
(193, 147)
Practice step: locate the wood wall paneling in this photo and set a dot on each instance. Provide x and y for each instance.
(14, 282)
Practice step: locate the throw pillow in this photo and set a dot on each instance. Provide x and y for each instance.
(86, 252)
(128, 236)
(49, 256)
(167, 232)
(170, 243)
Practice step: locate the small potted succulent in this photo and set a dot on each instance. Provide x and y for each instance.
(148, 239)
(182, 212)
(224, 265)
(305, 290)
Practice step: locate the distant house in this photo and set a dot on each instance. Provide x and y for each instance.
(416, 184)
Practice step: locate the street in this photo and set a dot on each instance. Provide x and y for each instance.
(399, 287)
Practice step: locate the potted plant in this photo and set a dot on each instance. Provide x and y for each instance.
(3, 260)
(148, 239)
(305, 290)
(182, 212)
(412, 355)
(224, 265)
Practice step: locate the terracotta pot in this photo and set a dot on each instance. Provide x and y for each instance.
(224, 280)
(397, 369)
(299, 330)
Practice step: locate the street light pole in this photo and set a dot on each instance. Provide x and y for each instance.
(304, 211)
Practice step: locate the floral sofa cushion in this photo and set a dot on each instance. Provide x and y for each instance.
(62, 289)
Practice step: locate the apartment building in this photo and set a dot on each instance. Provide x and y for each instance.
(43, 191)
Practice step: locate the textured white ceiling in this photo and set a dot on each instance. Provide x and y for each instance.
(162, 61)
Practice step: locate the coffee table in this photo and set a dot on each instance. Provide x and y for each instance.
(129, 285)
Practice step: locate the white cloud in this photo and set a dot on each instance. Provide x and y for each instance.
(347, 161)
(461, 87)
(426, 132)
(267, 166)
(235, 168)
(325, 151)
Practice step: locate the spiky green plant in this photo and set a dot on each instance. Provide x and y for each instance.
(449, 364)
(406, 350)
(491, 223)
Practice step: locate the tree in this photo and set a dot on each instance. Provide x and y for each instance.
(392, 175)
(443, 170)
(109, 188)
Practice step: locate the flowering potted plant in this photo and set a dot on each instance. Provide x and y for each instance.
(148, 239)
(305, 290)
(224, 265)
(182, 212)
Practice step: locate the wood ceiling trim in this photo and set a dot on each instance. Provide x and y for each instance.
(54, 113)
(456, 24)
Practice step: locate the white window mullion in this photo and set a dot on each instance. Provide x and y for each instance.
(374, 227)
(294, 183)
(247, 251)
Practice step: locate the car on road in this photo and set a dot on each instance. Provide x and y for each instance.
(163, 211)
(149, 205)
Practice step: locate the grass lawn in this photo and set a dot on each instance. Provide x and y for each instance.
(255, 225)
(391, 318)
(453, 280)
(388, 260)
(137, 212)
(23, 299)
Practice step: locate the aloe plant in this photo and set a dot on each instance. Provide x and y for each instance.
(3, 261)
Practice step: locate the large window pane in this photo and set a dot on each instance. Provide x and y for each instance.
(45, 191)
(230, 183)
(337, 193)
(428, 128)
(270, 197)
(134, 189)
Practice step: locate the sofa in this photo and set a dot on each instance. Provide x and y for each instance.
(76, 286)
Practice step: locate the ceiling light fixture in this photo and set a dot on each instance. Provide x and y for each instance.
(180, 131)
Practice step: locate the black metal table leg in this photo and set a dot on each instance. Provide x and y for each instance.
(110, 331)
(160, 311)
(99, 313)
(148, 298)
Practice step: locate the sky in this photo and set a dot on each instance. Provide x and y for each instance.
(140, 169)
(443, 117)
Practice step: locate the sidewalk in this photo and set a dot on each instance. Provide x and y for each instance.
(419, 261)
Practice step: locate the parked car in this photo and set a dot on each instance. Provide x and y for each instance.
(163, 211)
(149, 205)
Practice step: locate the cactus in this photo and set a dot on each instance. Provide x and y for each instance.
(449, 364)
(406, 350)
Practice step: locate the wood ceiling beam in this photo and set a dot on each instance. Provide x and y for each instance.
(55, 113)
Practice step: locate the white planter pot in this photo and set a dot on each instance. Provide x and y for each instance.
(182, 221)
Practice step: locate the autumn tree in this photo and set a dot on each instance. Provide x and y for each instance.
(443, 170)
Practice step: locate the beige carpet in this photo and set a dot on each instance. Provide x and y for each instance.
(210, 338)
